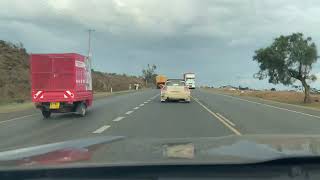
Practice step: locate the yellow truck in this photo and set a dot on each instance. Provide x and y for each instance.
(161, 80)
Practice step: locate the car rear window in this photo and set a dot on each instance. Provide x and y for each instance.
(175, 83)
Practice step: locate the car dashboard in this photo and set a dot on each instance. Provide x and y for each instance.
(280, 169)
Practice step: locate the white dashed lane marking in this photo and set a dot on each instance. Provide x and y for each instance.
(101, 129)
(136, 108)
(129, 112)
(141, 104)
(155, 96)
(118, 119)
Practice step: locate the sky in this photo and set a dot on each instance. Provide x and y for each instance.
(215, 39)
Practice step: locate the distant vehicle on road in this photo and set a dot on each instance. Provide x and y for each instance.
(160, 81)
(61, 83)
(175, 89)
(190, 80)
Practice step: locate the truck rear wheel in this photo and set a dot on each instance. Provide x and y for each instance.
(81, 109)
(46, 114)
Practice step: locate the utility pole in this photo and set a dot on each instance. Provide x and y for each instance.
(89, 43)
(90, 60)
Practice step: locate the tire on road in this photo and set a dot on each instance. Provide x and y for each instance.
(46, 114)
(163, 100)
(81, 109)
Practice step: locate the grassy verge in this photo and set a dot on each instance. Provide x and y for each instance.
(14, 107)
(295, 98)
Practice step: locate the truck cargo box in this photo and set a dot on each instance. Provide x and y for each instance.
(60, 78)
(160, 80)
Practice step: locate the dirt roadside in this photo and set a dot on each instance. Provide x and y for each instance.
(289, 97)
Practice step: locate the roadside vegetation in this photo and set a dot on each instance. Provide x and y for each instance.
(287, 60)
(149, 75)
(15, 82)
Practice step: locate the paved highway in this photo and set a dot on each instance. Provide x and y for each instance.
(140, 114)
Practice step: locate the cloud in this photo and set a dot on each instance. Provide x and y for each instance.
(210, 37)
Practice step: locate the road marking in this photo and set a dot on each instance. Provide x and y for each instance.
(220, 119)
(225, 119)
(13, 119)
(136, 108)
(100, 130)
(118, 119)
(141, 105)
(275, 107)
(146, 102)
(155, 96)
(129, 112)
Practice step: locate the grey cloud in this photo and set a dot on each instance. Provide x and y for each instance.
(216, 39)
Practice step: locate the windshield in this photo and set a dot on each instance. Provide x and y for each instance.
(72, 71)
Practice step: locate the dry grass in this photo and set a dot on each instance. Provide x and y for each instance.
(279, 96)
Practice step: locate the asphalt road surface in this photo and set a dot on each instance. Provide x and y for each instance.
(140, 114)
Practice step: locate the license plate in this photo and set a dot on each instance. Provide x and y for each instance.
(54, 105)
(175, 91)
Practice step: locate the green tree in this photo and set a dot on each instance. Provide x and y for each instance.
(288, 59)
(149, 74)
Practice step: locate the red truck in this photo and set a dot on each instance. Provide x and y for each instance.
(61, 83)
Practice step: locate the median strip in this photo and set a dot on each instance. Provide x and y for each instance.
(234, 130)
(101, 129)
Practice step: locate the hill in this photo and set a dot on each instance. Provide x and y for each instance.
(14, 75)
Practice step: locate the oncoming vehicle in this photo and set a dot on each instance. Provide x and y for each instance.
(175, 89)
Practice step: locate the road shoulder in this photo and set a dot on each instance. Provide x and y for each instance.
(271, 104)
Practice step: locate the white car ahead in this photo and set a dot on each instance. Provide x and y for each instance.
(175, 89)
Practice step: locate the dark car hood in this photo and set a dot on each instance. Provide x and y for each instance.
(118, 150)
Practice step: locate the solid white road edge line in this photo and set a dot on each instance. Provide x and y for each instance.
(129, 112)
(220, 119)
(13, 119)
(118, 119)
(101, 129)
(275, 107)
(225, 119)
